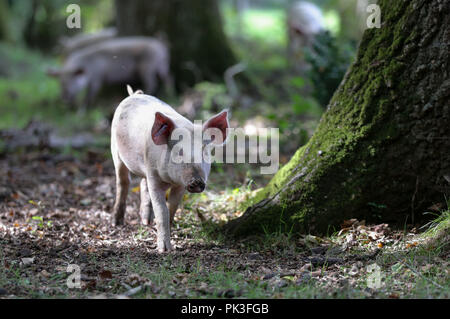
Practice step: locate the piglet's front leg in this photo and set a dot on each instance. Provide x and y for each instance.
(175, 197)
(157, 191)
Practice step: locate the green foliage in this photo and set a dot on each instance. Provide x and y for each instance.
(303, 104)
(214, 95)
(40, 24)
(440, 225)
(263, 25)
(329, 61)
(40, 222)
(92, 21)
(27, 92)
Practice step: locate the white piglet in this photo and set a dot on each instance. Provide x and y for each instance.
(151, 140)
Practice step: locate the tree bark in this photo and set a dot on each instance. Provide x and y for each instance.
(193, 29)
(382, 148)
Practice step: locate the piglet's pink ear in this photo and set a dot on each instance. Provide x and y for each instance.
(220, 123)
(162, 129)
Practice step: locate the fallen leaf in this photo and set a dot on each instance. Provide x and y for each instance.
(133, 291)
(200, 215)
(105, 274)
(410, 245)
(28, 261)
(290, 278)
(344, 230)
(306, 267)
(99, 168)
(349, 223)
(136, 189)
(86, 201)
(353, 271)
(45, 273)
(91, 284)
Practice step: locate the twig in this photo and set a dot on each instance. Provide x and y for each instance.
(229, 80)
(413, 199)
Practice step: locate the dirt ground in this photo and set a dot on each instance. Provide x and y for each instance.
(54, 212)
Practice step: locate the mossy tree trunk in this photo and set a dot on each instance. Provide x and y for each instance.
(193, 30)
(382, 148)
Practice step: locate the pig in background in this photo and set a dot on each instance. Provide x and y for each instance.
(304, 22)
(115, 61)
(69, 45)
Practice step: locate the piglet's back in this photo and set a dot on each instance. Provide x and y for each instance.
(142, 108)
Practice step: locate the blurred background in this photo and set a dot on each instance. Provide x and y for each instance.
(273, 63)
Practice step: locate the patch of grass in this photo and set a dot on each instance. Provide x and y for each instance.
(419, 272)
(201, 280)
(265, 25)
(439, 226)
(415, 266)
(409, 270)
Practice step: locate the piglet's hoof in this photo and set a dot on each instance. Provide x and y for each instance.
(164, 246)
(147, 218)
(117, 221)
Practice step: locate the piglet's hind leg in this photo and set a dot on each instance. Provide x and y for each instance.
(122, 184)
(146, 209)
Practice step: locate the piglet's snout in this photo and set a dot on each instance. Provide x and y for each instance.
(196, 186)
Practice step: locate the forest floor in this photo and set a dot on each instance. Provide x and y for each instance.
(54, 212)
